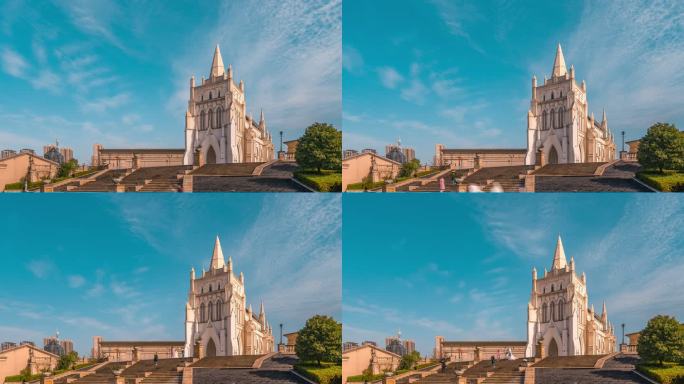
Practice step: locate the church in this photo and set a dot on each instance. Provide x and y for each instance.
(218, 321)
(560, 129)
(560, 321)
(218, 129)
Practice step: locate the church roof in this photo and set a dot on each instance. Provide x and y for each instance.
(217, 68)
(559, 69)
(217, 260)
(559, 260)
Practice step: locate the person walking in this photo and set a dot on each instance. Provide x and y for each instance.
(156, 359)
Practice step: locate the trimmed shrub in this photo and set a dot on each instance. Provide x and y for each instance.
(326, 181)
(669, 373)
(669, 181)
(326, 373)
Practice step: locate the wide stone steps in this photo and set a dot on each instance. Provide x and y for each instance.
(439, 378)
(163, 378)
(97, 378)
(506, 378)
(161, 186)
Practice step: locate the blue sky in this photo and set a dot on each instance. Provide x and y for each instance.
(119, 266)
(117, 73)
(461, 266)
(459, 72)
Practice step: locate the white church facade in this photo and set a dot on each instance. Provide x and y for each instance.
(559, 318)
(218, 320)
(560, 128)
(218, 129)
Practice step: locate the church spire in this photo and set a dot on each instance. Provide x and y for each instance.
(559, 69)
(217, 68)
(559, 261)
(217, 260)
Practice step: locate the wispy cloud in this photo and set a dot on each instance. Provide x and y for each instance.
(106, 103)
(13, 63)
(41, 268)
(76, 281)
(389, 77)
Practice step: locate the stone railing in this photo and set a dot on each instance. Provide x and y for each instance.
(286, 348)
(628, 348)
(628, 156)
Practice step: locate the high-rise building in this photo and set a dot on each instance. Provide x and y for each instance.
(349, 153)
(7, 345)
(394, 345)
(7, 153)
(409, 346)
(349, 345)
(396, 151)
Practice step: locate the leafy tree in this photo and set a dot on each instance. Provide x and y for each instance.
(409, 168)
(409, 360)
(67, 168)
(320, 340)
(662, 340)
(67, 361)
(320, 148)
(662, 148)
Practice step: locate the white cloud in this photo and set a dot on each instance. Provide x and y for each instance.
(106, 103)
(13, 63)
(352, 61)
(389, 77)
(76, 281)
(416, 92)
(40, 268)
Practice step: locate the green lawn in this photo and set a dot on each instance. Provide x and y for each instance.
(326, 373)
(668, 181)
(20, 186)
(359, 186)
(19, 378)
(325, 181)
(670, 373)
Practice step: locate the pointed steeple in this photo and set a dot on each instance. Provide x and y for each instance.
(217, 68)
(559, 261)
(559, 69)
(605, 311)
(230, 71)
(604, 122)
(217, 260)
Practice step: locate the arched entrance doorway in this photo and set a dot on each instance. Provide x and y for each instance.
(553, 348)
(553, 156)
(211, 156)
(211, 348)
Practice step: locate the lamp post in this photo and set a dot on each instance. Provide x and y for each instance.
(281, 325)
(623, 330)
(623, 141)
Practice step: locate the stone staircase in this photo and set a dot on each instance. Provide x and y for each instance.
(507, 377)
(163, 378)
(163, 185)
(103, 183)
(98, 378)
(439, 378)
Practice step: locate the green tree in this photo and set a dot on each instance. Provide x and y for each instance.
(320, 340)
(67, 168)
(320, 148)
(662, 340)
(409, 360)
(68, 360)
(409, 168)
(662, 148)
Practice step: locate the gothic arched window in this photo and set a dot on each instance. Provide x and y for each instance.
(561, 304)
(211, 311)
(553, 118)
(560, 117)
(219, 117)
(203, 315)
(553, 311)
(545, 314)
(219, 310)
(202, 122)
(210, 96)
(211, 118)
(544, 126)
